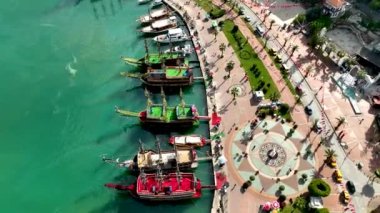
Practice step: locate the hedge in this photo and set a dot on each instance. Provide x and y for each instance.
(319, 188)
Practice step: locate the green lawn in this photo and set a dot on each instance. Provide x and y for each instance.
(210, 8)
(258, 75)
(278, 65)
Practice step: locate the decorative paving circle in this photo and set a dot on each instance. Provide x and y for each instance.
(272, 154)
(272, 158)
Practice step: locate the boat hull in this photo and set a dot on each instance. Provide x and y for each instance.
(168, 82)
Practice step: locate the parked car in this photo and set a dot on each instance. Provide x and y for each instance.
(308, 111)
(338, 176)
(350, 187)
(345, 196)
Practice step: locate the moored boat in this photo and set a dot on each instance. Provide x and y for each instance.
(172, 36)
(181, 49)
(161, 26)
(156, 3)
(168, 76)
(143, 1)
(159, 187)
(161, 115)
(188, 141)
(156, 60)
(155, 15)
(149, 160)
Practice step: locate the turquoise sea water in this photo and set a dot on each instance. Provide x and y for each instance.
(60, 81)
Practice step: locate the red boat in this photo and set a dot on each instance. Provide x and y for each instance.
(158, 187)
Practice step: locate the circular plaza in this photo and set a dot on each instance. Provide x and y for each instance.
(276, 155)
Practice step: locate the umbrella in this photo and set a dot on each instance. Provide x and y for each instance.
(275, 205)
(267, 206)
(274, 211)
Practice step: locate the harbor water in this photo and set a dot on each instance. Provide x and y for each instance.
(60, 82)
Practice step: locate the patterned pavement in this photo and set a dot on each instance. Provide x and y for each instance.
(291, 156)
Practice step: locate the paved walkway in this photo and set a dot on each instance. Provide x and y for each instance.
(332, 104)
(237, 114)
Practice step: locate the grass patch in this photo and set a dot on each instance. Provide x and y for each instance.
(276, 63)
(257, 73)
(214, 11)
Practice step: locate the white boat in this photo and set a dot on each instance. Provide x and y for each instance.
(143, 1)
(182, 49)
(161, 26)
(156, 3)
(154, 15)
(173, 36)
(188, 140)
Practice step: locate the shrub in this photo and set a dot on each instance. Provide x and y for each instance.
(319, 188)
(300, 203)
(281, 198)
(323, 210)
(283, 109)
(216, 13)
(234, 30)
(281, 188)
(251, 178)
(304, 176)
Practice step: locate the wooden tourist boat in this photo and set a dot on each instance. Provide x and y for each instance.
(161, 115)
(161, 26)
(159, 187)
(154, 15)
(188, 141)
(157, 60)
(171, 76)
(149, 160)
(173, 36)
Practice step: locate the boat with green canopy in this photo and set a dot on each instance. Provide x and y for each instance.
(160, 114)
(168, 76)
(156, 60)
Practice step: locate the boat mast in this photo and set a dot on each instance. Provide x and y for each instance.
(178, 174)
(181, 96)
(146, 48)
(141, 148)
(164, 103)
(147, 95)
(160, 161)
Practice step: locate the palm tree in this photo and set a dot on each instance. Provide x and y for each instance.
(294, 48)
(229, 67)
(271, 24)
(222, 47)
(330, 155)
(234, 92)
(341, 120)
(361, 74)
(286, 41)
(275, 96)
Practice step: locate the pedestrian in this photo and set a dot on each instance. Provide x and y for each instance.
(360, 122)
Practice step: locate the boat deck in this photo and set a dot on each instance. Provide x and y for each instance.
(170, 113)
(184, 112)
(157, 58)
(151, 184)
(176, 73)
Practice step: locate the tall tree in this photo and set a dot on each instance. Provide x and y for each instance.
(271, 24)
(294, 48)
(222, 47)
